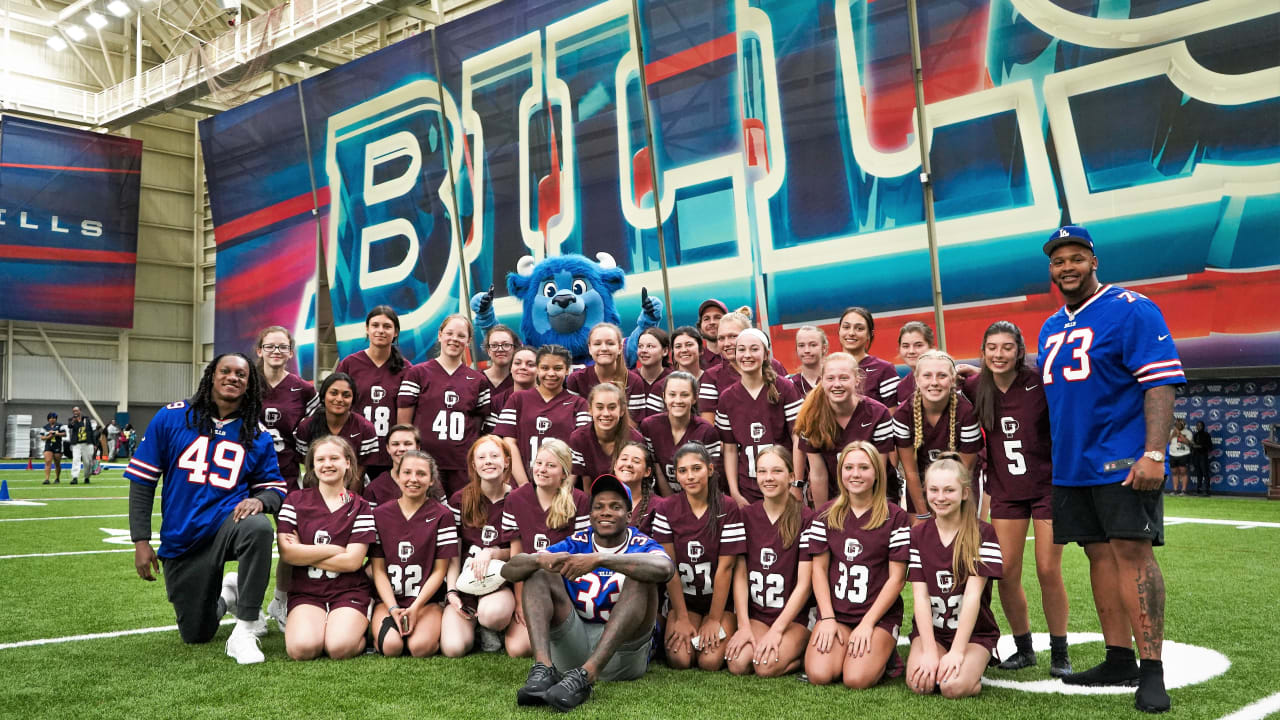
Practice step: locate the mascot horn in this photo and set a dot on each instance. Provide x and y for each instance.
(563, 297)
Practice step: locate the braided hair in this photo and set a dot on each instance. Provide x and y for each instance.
(201, 409)
(917, 402)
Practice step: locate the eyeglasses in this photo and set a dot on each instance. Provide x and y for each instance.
(501, 347)
(277, 348)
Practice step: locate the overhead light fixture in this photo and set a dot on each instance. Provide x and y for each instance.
(230, 4)
(95, 19)
(118, 8)
(56, 43)
(75, 32)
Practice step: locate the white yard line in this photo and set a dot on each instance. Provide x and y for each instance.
(68, 517)
(1241, 524)
(1256, 710)
(59, 554)
(94, 636)
(55, 488)
(78, 499)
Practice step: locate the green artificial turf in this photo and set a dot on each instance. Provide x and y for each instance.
(1221, 580)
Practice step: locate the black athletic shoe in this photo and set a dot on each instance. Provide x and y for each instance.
(540, 679)
(1060, 666)
(1151, 696)
(1018, 660)
(75, 482)
(1106, 674)
(86, 481)
(572, 690)
(46, 482)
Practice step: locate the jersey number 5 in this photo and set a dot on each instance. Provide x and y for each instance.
(1055, 343)
(226, 455)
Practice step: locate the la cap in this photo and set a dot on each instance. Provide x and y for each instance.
(1068, 235)
(611, 483)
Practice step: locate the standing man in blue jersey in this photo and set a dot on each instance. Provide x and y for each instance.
(590, 602)
(220, 477)
(1109, 366)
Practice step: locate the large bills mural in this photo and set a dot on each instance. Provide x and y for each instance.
(787, 164)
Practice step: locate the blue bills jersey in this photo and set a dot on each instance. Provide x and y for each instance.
(205, 477)
(595, 593)
(1096, 364)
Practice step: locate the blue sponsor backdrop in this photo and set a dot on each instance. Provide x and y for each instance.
(68, 224)
(1239, 415)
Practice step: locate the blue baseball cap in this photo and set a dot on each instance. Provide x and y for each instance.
(1068, 235)
(611, 483)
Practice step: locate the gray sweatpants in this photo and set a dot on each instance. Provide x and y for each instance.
(194, 580)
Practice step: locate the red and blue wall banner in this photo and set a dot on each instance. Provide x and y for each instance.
(786, 149)
(1239, 415)
(68, 224)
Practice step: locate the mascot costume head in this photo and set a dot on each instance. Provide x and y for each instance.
(563, 297)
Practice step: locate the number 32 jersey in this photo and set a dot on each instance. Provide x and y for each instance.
(205, 477)
(595, 593)
(1097, 363)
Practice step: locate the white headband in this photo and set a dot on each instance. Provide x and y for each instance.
(754, 333)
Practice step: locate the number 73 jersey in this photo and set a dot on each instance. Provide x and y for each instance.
(594, 594)
(204, 477)
(1096, 364)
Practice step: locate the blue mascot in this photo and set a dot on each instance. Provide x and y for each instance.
(564, 297)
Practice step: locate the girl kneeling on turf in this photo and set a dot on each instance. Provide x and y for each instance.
(417, 538)
(772, 583)
(324, 531)
(860, 541)
(953, 555)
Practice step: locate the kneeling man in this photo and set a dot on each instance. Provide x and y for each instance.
(590, 602)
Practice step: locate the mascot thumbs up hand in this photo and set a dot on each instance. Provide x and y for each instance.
(563, 297)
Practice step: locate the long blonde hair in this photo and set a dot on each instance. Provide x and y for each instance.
(838, 511)
(620, 374)
(789, 523)
(917, 401)
(965, 549)
(817, 419)
(563, 509)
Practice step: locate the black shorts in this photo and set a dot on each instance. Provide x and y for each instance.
(1179, 460)
(1100, 513)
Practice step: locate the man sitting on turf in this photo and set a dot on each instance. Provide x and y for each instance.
(590, 602)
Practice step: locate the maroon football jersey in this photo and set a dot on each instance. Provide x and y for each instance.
(524, 519)
(859, 565)
(1019, 462)
(663, 444)
(870, 422)
(411, 546)
(305, 513)
(710, 359)
(450, 409)
(771, 568)
(475, 539)
(582, 380)
(499, 393)
(647, 398)
(283, 406)
(376, 399)
(930, 563)
(382, 489)
(715, 381)
(936, 437)
(590, 461)
(803, 386)
(906, 386)
(753, 423)
(529, 419)
(698, 547)
(879, 380)
(356, 430)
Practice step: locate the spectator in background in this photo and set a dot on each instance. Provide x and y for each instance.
(83, 434)
(1179, 455)
(113, 434)
(1201, 449)
(52, 435)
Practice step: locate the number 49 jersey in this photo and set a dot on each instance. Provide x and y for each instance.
(595, 593)
(205, 477)
(1096, 364)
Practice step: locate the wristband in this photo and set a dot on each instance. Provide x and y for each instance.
(451, 591)
(924, 516)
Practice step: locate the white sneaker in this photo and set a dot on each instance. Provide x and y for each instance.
(244, 648)
(230, 590)
(278, 611)
(259, 627)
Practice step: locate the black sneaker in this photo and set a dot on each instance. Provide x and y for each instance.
(1060, 666)
(86, 481)
(1018, 660)
(75, 482)
(46, 482)
(1106, 674)
(540, 679)
(572, 690)
(1151, 696)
